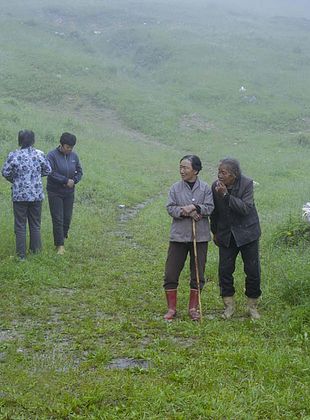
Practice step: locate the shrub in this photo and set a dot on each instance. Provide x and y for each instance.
(292, 232)
(297, 321)
(295, 291)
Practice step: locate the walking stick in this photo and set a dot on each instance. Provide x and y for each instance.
(196, 267)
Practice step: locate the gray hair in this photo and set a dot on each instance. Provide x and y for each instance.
(232, 165)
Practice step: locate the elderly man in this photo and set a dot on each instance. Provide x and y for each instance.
(235, 227)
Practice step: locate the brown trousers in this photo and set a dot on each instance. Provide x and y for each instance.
(177, 254)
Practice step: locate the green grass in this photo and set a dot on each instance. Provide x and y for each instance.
(160, 80)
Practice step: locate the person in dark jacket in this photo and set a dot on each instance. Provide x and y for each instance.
(235, 227)
(66, 173)
(24, 168)
(188, 199)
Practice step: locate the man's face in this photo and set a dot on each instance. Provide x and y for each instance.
(225, 176)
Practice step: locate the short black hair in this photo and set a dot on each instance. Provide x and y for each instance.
(68, 138)
(194, 160)
(233, 166)
(25, 138)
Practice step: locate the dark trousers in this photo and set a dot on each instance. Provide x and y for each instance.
(177, 254)
(61, 208)
(251, 266)
(27, 211)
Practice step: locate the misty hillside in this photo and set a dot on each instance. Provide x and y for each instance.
(142, 57)
(142, 83)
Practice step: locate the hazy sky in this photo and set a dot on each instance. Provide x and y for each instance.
(294, 8)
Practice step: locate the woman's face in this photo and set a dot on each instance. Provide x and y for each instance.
(225, 175)
(66, 148)
(187, 172)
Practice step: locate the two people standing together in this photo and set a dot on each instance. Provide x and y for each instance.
(229, 204)
(24, 169)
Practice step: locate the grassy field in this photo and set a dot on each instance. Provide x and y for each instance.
(142, 83)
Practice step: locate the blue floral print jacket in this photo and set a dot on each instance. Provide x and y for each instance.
(24, 168)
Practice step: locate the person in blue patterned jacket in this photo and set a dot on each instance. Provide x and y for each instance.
(24, 168)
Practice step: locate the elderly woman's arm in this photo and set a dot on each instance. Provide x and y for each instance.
(45, 166)
(8, 167)
(173, 209)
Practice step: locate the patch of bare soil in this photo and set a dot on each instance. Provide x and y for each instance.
(129, 213)
(126, 363)
(6, 335)
(195, 122)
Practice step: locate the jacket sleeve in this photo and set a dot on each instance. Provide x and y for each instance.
(173, 209)
(242, 205)
(45, 166)
(7, 170)
(55, 176)
(78, 172)
(207, 206)
(214, 215)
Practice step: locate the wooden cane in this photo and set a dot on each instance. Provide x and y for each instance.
(196, 267)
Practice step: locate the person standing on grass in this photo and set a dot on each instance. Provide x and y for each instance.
(188, 199)
(66, 173)
(235, 227)
(24, 168)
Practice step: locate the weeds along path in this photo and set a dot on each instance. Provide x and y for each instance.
(108, 117)
(130, 213)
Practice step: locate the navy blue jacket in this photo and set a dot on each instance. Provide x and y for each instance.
(235, 214)
(64, 167)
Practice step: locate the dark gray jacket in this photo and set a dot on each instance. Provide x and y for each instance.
(64, 167)
(235, 214)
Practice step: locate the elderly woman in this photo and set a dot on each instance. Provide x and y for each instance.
(66, 173)
(235, 226)
(188, 199)
(24, 168)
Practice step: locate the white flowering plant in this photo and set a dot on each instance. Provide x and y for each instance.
(306, 212)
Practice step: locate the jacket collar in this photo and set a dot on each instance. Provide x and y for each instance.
(196, 185)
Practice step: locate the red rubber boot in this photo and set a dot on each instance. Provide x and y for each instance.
(193, 305)
(171, 296)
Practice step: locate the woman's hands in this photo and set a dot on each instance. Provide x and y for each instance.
(190, 211)
(70, 183)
